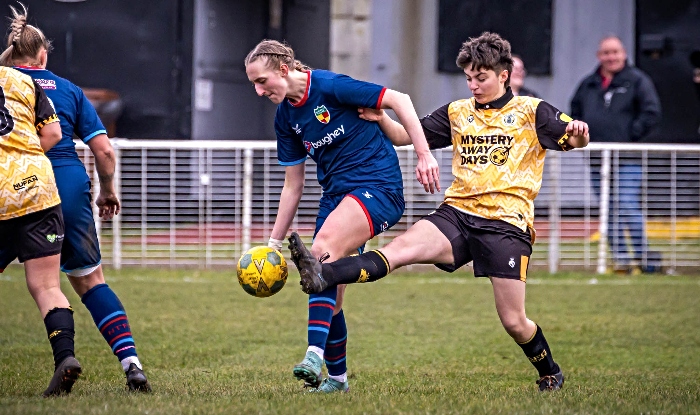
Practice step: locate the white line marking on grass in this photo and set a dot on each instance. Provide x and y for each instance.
(186, 280)
(411, 280)
(540, 281)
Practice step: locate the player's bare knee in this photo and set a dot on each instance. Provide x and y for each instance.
(516, 327)
(82, 284)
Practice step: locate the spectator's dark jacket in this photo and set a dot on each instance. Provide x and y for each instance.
(527, 92)
(624, 112)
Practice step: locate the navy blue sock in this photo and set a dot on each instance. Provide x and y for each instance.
(321, 307)
(336, 346)
(61, 331)
(110, 318)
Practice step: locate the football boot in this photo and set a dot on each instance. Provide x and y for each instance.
(64, 377)
(136, 380)
(331, 386)
(551, 382)
(309, 370)
(309, 267)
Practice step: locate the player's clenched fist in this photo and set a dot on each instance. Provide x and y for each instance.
(577, 128)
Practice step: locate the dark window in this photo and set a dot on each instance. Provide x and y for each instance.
(526, 24)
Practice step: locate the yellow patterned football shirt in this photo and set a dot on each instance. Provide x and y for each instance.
(27, 183)
(498, 153)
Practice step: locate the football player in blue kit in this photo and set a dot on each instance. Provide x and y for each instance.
(357, 167)
(80, 256)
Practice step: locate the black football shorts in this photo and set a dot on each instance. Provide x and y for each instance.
(497, 248)
(35, 235)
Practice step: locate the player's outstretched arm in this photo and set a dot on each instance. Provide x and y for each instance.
(427, 170)
(107, 201)
(578, 134)
(289, 202)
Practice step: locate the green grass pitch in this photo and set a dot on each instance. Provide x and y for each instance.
(420, 343)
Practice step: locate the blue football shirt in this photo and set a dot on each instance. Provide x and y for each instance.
(74, 110)
(349, 152)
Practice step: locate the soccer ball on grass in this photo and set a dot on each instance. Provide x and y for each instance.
(262, 271)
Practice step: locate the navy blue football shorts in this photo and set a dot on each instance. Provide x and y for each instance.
(383, 207)
(81, 249)
(34, 235)
(497, 248)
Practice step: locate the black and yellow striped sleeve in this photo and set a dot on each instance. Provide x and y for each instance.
(551, 127)
(43, 110)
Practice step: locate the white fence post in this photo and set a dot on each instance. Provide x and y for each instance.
(247, 197)
(95, 193)
(554, 212)
(116, 220)
(604, 211)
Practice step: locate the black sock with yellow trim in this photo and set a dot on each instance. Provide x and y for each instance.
(61, 331)
(537, 351)
(368, 267)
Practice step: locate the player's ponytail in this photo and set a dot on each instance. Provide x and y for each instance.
(300, 66)
(276, 53)
(24, 41)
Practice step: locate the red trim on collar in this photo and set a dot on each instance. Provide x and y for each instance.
(29, 67)
(303, 99)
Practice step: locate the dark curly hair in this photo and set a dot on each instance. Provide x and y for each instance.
(488, 51)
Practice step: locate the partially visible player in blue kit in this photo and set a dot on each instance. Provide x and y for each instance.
(80, 256)
(358, 170)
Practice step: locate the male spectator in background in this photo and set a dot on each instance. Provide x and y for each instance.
(620, 104)
(517, 79)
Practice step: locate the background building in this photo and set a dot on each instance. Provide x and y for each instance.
(177, 64)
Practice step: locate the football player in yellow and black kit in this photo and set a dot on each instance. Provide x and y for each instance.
(31, 224)
(499, 143)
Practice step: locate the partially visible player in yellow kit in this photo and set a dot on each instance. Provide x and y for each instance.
(31, 224)
(499, 142)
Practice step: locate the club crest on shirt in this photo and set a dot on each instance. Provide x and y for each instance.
(322, 114)
(509, 119)
(470, 119)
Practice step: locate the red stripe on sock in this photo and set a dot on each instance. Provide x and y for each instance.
(321, 322)
(334, 358)
(322, 305)
(114, 339)
(330, 346)
(112, 321)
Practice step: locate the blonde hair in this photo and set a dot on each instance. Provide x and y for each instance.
(276, 53)
(24, 41)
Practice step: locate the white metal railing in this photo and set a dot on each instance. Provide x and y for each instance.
(203, 203)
